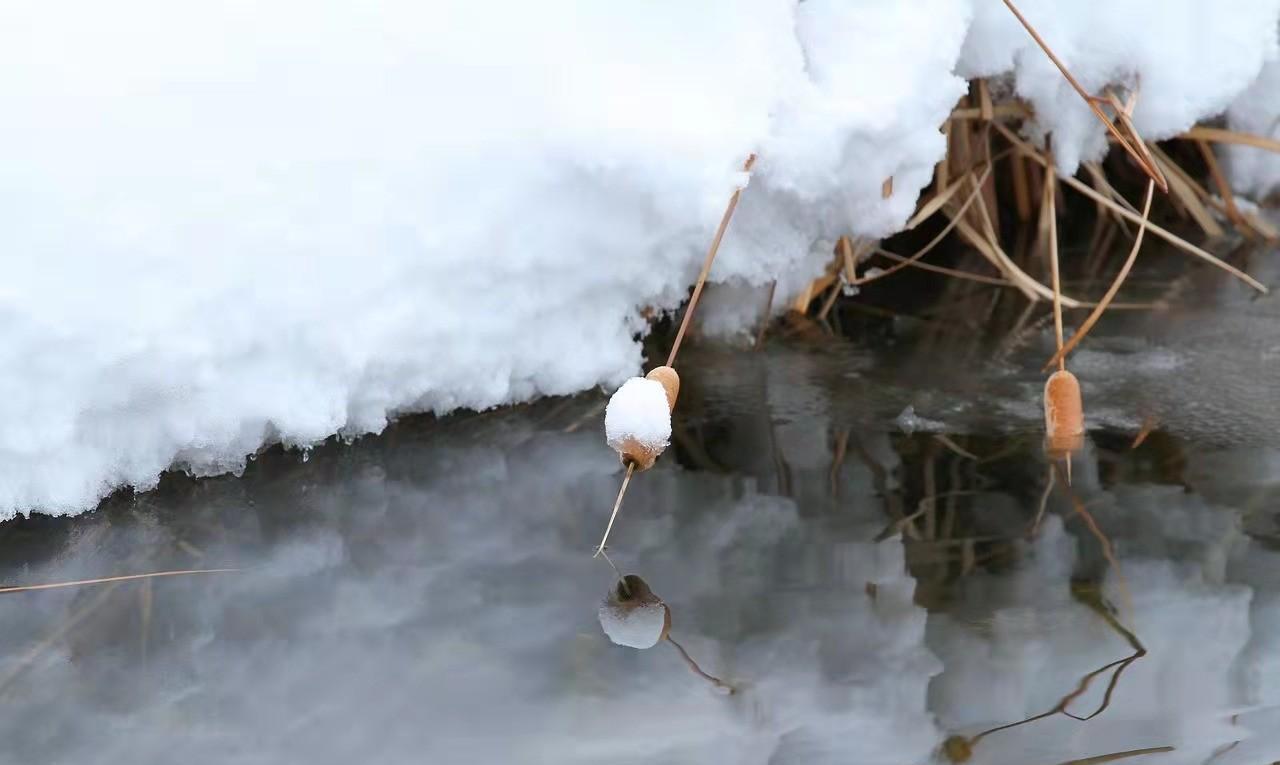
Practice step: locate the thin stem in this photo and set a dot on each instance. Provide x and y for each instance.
(104, 580)
(706, 265)
(1098, 310)
(955, 219)
(626, 479)
(1051, 213)
(693, 667)
(621, 579)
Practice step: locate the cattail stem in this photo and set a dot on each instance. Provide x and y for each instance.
(1112, 290)
(626, 479)
(693, 667)
(1050, 211)
(706, 265)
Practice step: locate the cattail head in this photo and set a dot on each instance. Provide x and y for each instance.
(637, 421)
(670, 383)
(1063, 414)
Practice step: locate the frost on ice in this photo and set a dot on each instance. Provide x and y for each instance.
(221, 230)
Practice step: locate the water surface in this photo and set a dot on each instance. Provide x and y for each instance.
(857, 534)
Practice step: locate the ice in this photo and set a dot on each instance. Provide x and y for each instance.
(224, 226)
(638, 411)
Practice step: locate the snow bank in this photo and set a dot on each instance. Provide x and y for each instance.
(1188, 60)
(224, 225)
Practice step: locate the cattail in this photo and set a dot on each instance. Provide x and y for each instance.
(637, 421)
(1063, 415)
(670, 384)
(633, 616)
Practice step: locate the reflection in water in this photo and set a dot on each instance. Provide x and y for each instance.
(872, 596)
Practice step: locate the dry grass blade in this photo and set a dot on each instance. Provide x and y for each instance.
(1132, 147)
(1173, 239)
(1097, 312)
(1186, 196)
(124, 578)
(1010, 110)
(992, 251)
(980, 278)
(935, 203)
(1220, 135)
(1102, 758)
(955, 219)
(1224, 188)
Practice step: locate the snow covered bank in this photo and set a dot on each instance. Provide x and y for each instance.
(226, 225)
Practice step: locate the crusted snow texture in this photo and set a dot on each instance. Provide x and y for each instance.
(1189, 59)
(224, 225)
(638, 626)
(638, 411)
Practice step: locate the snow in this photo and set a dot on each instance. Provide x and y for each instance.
(1256, 171)
(224, 226)
(1188, 59)
(638, 411)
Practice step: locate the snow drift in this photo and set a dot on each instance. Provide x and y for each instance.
(224, 225)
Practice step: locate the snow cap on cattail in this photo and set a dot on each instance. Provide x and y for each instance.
(637, 421)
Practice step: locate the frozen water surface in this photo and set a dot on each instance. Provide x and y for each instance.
(873, 596)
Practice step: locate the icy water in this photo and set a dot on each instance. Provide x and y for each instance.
(878, 584)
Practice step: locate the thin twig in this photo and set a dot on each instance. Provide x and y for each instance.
(693, 667)
(104, 580)
(955, 219)
(1173, 239)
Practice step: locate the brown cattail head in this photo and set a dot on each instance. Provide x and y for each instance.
(958, 749)
(1063, 414)
(633, 616)
(670, 382)
(637, 455)
(640, 455)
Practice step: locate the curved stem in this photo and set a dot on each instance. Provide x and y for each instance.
(706, 265)
(693, 667)
(1063, 350)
